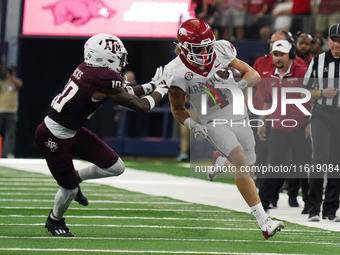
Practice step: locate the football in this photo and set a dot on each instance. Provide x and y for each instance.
(224, 74)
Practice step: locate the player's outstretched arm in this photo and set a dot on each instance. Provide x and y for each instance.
(147, 88)
(133, 102)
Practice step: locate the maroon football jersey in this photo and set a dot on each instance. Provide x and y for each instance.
(74, 105)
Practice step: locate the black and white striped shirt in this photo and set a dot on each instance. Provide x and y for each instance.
(322, 73)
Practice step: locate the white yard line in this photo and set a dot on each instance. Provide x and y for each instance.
(96, 201)
(165, 227)
(182, 188)
(170, 239)
(128, 218)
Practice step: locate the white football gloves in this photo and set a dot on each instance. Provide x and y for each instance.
(163, 81)
(196, 128)
(151, 86)
(158, 74)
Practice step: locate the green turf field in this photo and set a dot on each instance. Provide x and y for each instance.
(123, 222)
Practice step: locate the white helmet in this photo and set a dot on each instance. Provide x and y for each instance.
(105, 50)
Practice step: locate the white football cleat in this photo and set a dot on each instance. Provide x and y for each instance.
(212, 171)
(270, 227)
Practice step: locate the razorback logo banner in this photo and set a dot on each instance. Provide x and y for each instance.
(123, 18)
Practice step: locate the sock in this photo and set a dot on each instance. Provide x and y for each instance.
(53, 217)
(259, 213)
(220, 162)
(62, 201)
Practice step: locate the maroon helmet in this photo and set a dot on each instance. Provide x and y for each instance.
(194, 36)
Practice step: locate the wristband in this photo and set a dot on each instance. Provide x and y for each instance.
(151, 101)
(242, 84)
(320, 93)
(162, 91)
(147, 87)
(189, 122)
(130, 90)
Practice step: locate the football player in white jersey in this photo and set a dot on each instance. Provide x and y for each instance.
(199, 58)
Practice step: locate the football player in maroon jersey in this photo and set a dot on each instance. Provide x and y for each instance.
(62, 135)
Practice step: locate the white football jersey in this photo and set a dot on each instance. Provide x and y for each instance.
(196, 82)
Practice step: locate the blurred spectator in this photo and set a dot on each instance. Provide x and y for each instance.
(258, 15)
(9, 91)
(131, 78)
(317, 46)
(233, 15)
(328, 13)
(204, 9)
(281, 12)
(301, 12)
(304, 44)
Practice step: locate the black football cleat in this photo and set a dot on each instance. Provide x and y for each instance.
(57, 227)
(81, 198)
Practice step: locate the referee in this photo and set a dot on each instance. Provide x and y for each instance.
(322, 80)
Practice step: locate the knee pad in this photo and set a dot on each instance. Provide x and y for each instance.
(117, 169)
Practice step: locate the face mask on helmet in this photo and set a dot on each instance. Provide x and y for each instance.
(196, 40)
(200, 53)
(106, 51)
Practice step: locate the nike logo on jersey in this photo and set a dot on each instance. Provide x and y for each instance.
(217, 65)
(265, 72)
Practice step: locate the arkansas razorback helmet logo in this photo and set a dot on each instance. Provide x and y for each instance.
(78, 12)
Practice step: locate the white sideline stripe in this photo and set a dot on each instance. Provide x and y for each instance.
(155, 226)
(167, 239)
(125, 218)
(142, 251)
(99, 202)
(116, 209)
